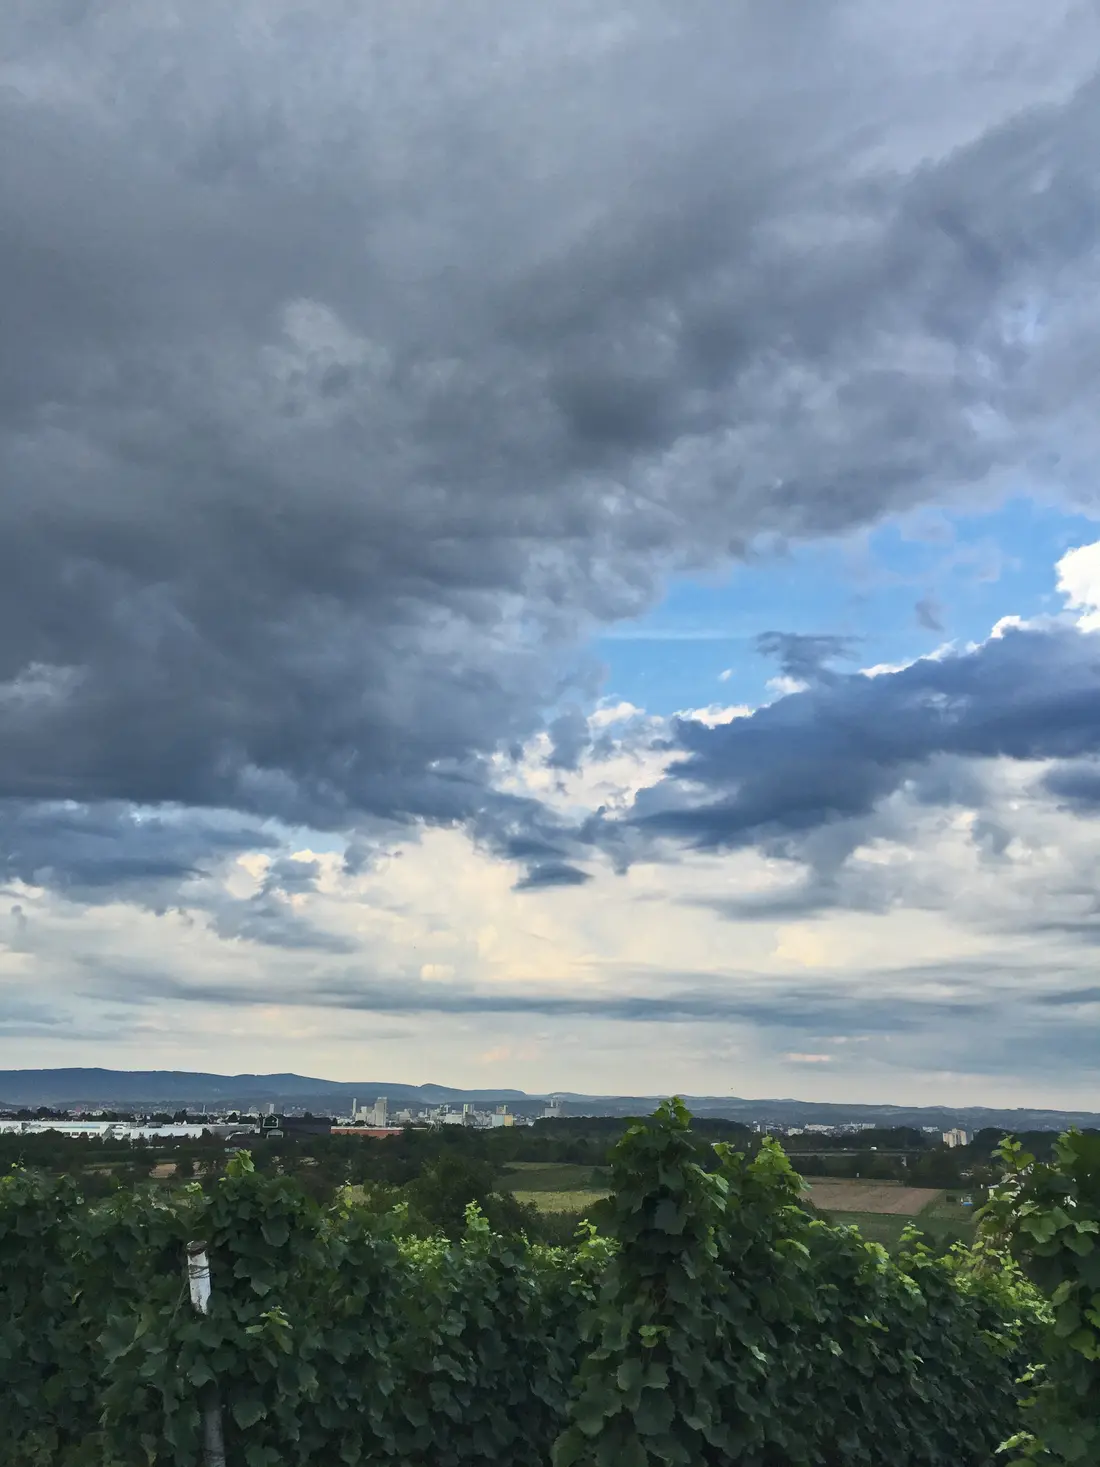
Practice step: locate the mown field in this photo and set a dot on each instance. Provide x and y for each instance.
(880, 1210)
(943, 1223)
(557, 1186)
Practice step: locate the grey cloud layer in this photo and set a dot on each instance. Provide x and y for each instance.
(358, 360)
(784, 1002)
(97, 852)
(833, 751)
(1022, 1030)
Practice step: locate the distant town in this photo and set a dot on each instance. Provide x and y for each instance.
(151, 1106)
(376, 1120)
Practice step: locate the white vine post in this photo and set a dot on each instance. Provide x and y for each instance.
(198, 1279)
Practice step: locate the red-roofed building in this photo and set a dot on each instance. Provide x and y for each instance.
(366, 1130)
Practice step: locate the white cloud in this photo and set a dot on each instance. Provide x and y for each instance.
(945, 649)
(1009, 623)
(1079, 583)
(715, 714)
(782, 686)
(609, 713)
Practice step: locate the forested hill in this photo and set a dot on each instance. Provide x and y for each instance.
(186, 1087)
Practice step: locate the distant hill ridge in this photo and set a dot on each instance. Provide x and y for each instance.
(78, 1086)
(70, 1087)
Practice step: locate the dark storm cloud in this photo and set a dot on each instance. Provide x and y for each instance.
(264, 919)
(807, 896)
(783, 1005)
(1076, 785)
(92, 852)
(804, 657)
(269, 916)
(833, 752)
(357, 361)
(570, 737)
(1085, 929)
(26, 1018)
(929, 614)
(1071, 998)
(552, 873)
(291, 877)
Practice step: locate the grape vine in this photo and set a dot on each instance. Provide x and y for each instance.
(717, 1321)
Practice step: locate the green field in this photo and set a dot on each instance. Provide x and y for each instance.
(573, 1201)
(555, 1176)
(556, 1186)
(943, 1221)
(877, 1227)
(564, 1187)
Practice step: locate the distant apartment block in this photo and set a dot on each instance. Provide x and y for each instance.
(376, 1116)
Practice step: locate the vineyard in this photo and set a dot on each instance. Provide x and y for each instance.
(716, 1320)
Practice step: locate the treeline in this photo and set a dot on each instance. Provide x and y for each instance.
(904, 1154)
(466, 1159)
(437, 1171)
(105, 1165)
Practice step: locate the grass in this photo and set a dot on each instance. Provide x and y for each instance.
(947, 1220)
(949, 1210)
(877, 1227)
(942, 1221)
(556, 1186)
(553, 1176)
(567, 1187)
(577, 1200)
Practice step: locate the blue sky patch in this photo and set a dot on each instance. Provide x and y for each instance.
(899, 590)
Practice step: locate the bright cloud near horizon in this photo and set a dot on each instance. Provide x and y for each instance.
(554, 548)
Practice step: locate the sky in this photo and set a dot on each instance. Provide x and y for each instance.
(553, 547)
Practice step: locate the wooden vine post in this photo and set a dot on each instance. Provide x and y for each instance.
(198, 1279)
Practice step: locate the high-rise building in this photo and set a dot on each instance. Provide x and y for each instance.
(956, 1137)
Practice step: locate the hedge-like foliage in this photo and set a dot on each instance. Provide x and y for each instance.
(717, 1323)
(734, 1328)
(1049, 1214)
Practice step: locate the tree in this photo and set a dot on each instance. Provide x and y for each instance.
(439, 1196)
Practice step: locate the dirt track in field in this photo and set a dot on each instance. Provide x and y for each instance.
(871, 1197)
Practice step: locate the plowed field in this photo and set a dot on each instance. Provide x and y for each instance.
(871, 1197)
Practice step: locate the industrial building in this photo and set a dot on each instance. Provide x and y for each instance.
(115, 1130)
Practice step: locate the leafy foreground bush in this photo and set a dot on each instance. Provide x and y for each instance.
(1049, 1215)
(719, 1323)
(733, 1328)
